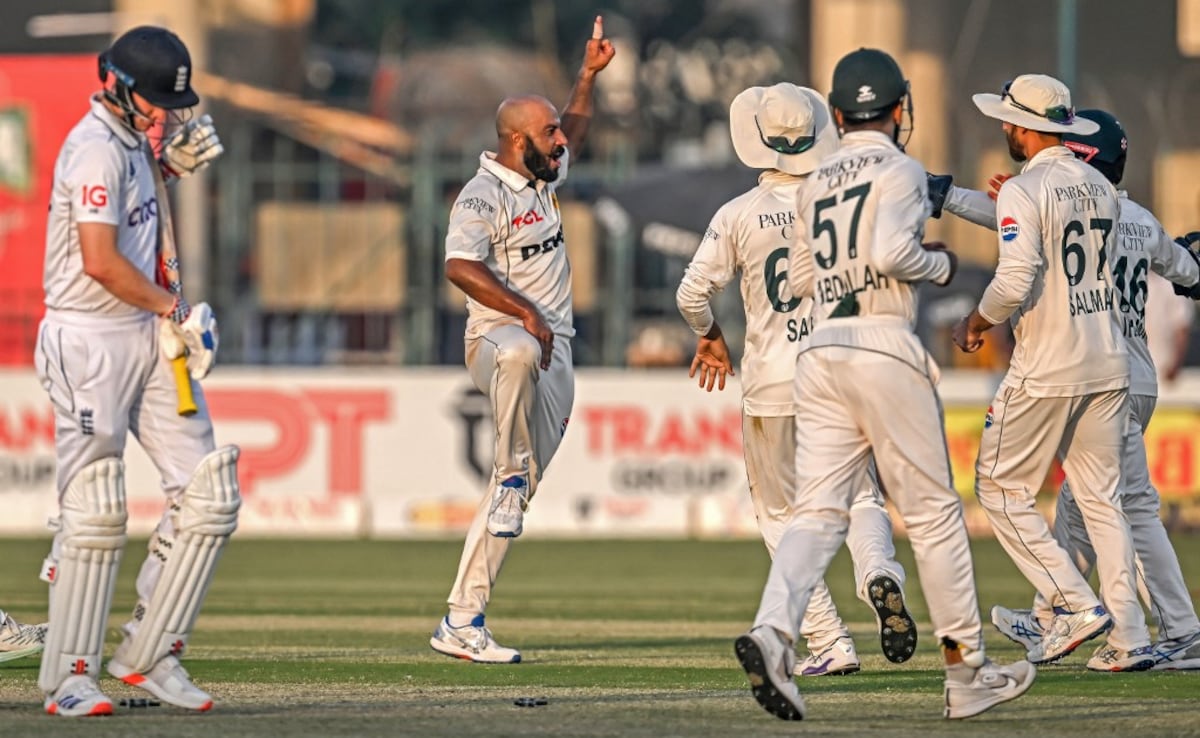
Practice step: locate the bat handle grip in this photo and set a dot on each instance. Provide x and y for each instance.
(183, 383)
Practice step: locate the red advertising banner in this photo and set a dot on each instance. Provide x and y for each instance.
(41, 99)
(408, 453)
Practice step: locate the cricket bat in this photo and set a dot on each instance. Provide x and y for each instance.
(168, 277)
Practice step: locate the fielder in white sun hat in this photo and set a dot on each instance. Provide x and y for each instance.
(784, 127)
(1037, 102)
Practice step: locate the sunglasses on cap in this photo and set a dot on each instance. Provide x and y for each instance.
(784, 145)
(1056, 114)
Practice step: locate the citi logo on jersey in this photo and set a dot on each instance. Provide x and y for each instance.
(95, 196)
(1009, 230)
(989, 418)
(143, 213)
(528, 218)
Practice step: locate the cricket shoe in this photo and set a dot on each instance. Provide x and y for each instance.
(1109, 658)
(507, 514)
(78, 696)
(991, 685)
(1018, 626)
(1068, 631)
(769, 662)
(1177, 654)
(167, 680)
(472, 642)
(897, 631)
(18, 640)
(838, 659)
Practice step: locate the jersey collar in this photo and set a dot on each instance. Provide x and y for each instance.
(774, 177)
(515, 180)
(868, 136)
(1047, 154)
(127, 137)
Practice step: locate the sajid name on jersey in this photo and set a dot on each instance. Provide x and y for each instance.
(833, 288)
(798, 330)
(1090, 301)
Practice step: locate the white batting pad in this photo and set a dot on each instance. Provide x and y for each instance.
(206, 517)
(82, 570)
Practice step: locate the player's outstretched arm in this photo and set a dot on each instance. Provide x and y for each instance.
(896, 249)
(1178, 261)
(482, 286)
(577, 114)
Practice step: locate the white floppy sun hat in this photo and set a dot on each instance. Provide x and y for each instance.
(1036, 102)
(784, 127)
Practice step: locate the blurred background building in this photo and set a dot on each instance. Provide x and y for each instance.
(350, 125)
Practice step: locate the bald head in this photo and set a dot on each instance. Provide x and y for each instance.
(523, 114)
(530, 137)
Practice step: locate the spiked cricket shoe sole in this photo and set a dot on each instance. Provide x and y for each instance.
(897, 631)
(768, 694)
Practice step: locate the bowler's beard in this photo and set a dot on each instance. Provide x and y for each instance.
(1014, 147)
(538, 163)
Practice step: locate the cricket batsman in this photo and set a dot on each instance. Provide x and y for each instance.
(103, 356)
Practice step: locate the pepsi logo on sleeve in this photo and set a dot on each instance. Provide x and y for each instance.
(1009, 228)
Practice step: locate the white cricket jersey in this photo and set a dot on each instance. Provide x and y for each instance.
(1057, 226)
(751, 235)
(1142, 250)
(514, 226)
(857, 246)
(101, 176)
(1143, 247)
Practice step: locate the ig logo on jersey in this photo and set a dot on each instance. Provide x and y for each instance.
(1009, 229)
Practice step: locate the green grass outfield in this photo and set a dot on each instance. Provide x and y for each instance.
(319, 638)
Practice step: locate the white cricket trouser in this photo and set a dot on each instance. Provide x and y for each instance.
(1160, 580)
(854, 402)
(1015, 454)
(769, 444)
(530, 408)
(106, 379)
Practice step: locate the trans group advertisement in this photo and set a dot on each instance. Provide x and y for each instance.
(407, 453)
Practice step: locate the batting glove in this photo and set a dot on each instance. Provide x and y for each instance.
(939, 188)
(192, 148)
(170, 341)
(199, 333)
(179, 312)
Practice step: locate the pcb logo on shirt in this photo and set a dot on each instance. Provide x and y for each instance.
(1009, 229)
